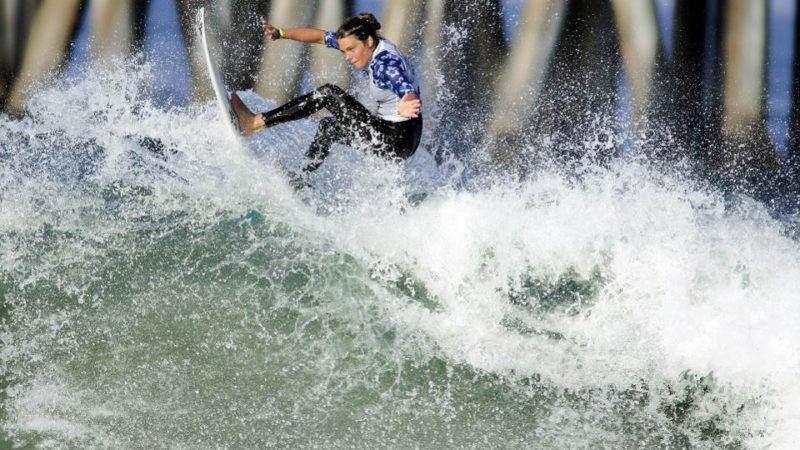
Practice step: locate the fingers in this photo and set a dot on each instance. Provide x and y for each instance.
(409, 105)
(269, 31)
(411, 110)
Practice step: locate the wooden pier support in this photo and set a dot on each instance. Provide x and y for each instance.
(748, 149)
(328, 65)
(117, 28)
(794, 122)
(7, 47)
(691, 124)
(640, 42)
(575, 118)
(283, 60)
(46, 47)
(432, 38)
(523, 73)
(242, 42)
(6, 51)
(400, 24)
(465, 50)
(15, 20)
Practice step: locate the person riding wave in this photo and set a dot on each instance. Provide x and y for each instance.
(389, 126)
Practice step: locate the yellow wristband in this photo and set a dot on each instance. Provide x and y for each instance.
(281, 34)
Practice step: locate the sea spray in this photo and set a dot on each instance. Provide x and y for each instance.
(164, 287)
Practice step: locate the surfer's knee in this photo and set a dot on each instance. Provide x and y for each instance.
(328, 125)
(330, 130)
(330, 90)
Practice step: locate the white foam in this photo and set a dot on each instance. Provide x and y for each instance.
(688, 283)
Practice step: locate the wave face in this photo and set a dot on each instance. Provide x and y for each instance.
(162, 286)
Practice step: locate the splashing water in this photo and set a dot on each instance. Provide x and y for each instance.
(163, 287)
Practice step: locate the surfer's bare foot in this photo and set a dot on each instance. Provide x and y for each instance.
(249, 122)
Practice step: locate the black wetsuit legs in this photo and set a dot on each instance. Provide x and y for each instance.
(350, 123)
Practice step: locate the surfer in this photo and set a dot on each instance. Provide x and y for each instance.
(389, 126)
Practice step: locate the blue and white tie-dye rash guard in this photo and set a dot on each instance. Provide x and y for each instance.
(391, 77)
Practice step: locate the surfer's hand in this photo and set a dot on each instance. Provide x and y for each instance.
(409, 105)
(269, 31)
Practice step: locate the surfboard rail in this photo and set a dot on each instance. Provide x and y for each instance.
(215, 75)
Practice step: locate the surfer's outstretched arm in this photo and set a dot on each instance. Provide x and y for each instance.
(309, 35)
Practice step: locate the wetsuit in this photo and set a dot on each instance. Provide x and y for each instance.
(377, 126)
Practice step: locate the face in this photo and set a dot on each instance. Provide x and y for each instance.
(357, 53)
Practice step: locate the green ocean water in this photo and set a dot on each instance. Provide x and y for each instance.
(182, 296)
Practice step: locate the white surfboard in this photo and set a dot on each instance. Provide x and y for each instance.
(223, 98)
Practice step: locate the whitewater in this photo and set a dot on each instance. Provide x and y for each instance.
(163, 287)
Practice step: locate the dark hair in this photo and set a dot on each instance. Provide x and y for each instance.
(361, 26)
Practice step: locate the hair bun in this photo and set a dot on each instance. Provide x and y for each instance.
(361, 26)
(370, 20)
